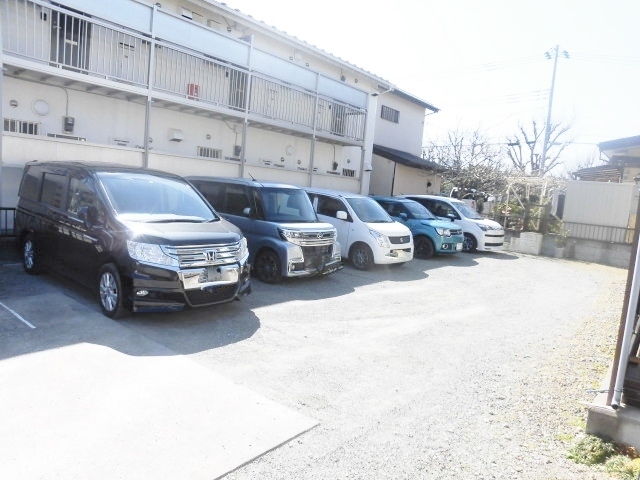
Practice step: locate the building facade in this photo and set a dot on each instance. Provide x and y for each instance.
(192, 87)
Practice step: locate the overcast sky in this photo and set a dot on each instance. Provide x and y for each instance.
(482, 62)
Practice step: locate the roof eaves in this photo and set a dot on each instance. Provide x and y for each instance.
(406, 158)
(414, 99)
(620, 143)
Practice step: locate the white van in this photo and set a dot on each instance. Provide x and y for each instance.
(479, 233)
(366, 232)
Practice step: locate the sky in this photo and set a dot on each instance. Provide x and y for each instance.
(482, 63)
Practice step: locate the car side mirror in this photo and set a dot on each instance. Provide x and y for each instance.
(246, 211)
(404, 216)
(451, 216)
(341, 215)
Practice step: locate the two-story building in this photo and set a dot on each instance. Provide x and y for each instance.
(196, 88)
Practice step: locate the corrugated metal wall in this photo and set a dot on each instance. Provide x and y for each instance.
(599, 203)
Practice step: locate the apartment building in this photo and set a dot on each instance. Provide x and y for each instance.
(196, 88)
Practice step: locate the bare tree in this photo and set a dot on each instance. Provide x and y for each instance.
(472, 163)
(525, 147)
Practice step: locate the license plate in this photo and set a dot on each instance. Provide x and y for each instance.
(214, 274)
(458, 246)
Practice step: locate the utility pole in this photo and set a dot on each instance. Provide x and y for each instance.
(547, 132)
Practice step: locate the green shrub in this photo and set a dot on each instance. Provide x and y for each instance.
(625, 467)
(591, 450)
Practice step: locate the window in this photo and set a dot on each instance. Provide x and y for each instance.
(329, 206)
(30, 187)
(54, 190)
(390, 114)
(20, 126)
(209, 152)
(237, 200)
(213, 192)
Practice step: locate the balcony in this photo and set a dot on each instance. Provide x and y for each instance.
(46, 43)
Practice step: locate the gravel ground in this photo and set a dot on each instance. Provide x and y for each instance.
(471, 367)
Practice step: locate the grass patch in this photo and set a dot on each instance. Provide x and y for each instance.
(624, 462)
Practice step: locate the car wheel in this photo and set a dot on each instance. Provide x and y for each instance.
(470, 244)
(30, 260)
(267, 267)
(110, 295)
(423, 247)
(361, 256)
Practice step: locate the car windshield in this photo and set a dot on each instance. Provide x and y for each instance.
(286, 205)
(418, 211)
(144, 197)
(368, 210)
(467, 211)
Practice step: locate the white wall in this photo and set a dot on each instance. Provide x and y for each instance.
(97, 118)
(406, 135)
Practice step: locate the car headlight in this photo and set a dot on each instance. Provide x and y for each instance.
(382, 240)
(243, 251)
(484, 228)
(150, 253)
(293, 236)
(443, 232)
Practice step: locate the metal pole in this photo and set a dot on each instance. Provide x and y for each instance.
(627, 336)
(547, 132)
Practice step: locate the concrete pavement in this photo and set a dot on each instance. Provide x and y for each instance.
(83, 397)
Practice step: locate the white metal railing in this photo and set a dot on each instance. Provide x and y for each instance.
(67, 40)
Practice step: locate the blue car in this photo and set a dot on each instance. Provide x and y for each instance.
(431, 235)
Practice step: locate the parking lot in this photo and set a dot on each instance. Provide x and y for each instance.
(426, 370)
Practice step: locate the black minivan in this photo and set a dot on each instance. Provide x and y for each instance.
(145, 240)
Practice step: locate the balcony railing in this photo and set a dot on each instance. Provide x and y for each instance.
(7, 222)
(56, 37)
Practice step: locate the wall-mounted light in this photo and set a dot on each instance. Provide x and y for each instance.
(13, 103)
(41, 107)
(208, 136)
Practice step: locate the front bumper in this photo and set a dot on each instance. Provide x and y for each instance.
(450, 247)
(304, 269)
(393, 255)
(155, 289)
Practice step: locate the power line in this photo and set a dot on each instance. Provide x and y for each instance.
(610, 59)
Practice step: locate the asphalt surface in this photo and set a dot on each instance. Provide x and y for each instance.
(426, 370)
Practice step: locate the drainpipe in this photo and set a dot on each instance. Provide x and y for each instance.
(149, 104)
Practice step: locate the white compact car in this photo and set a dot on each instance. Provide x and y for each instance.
(366, 232)
(479, 233)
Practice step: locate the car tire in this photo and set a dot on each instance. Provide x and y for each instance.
(470, 243)
(266, 267)
(30, 256)
(361, 256)
(110, 294)
(423, 247)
